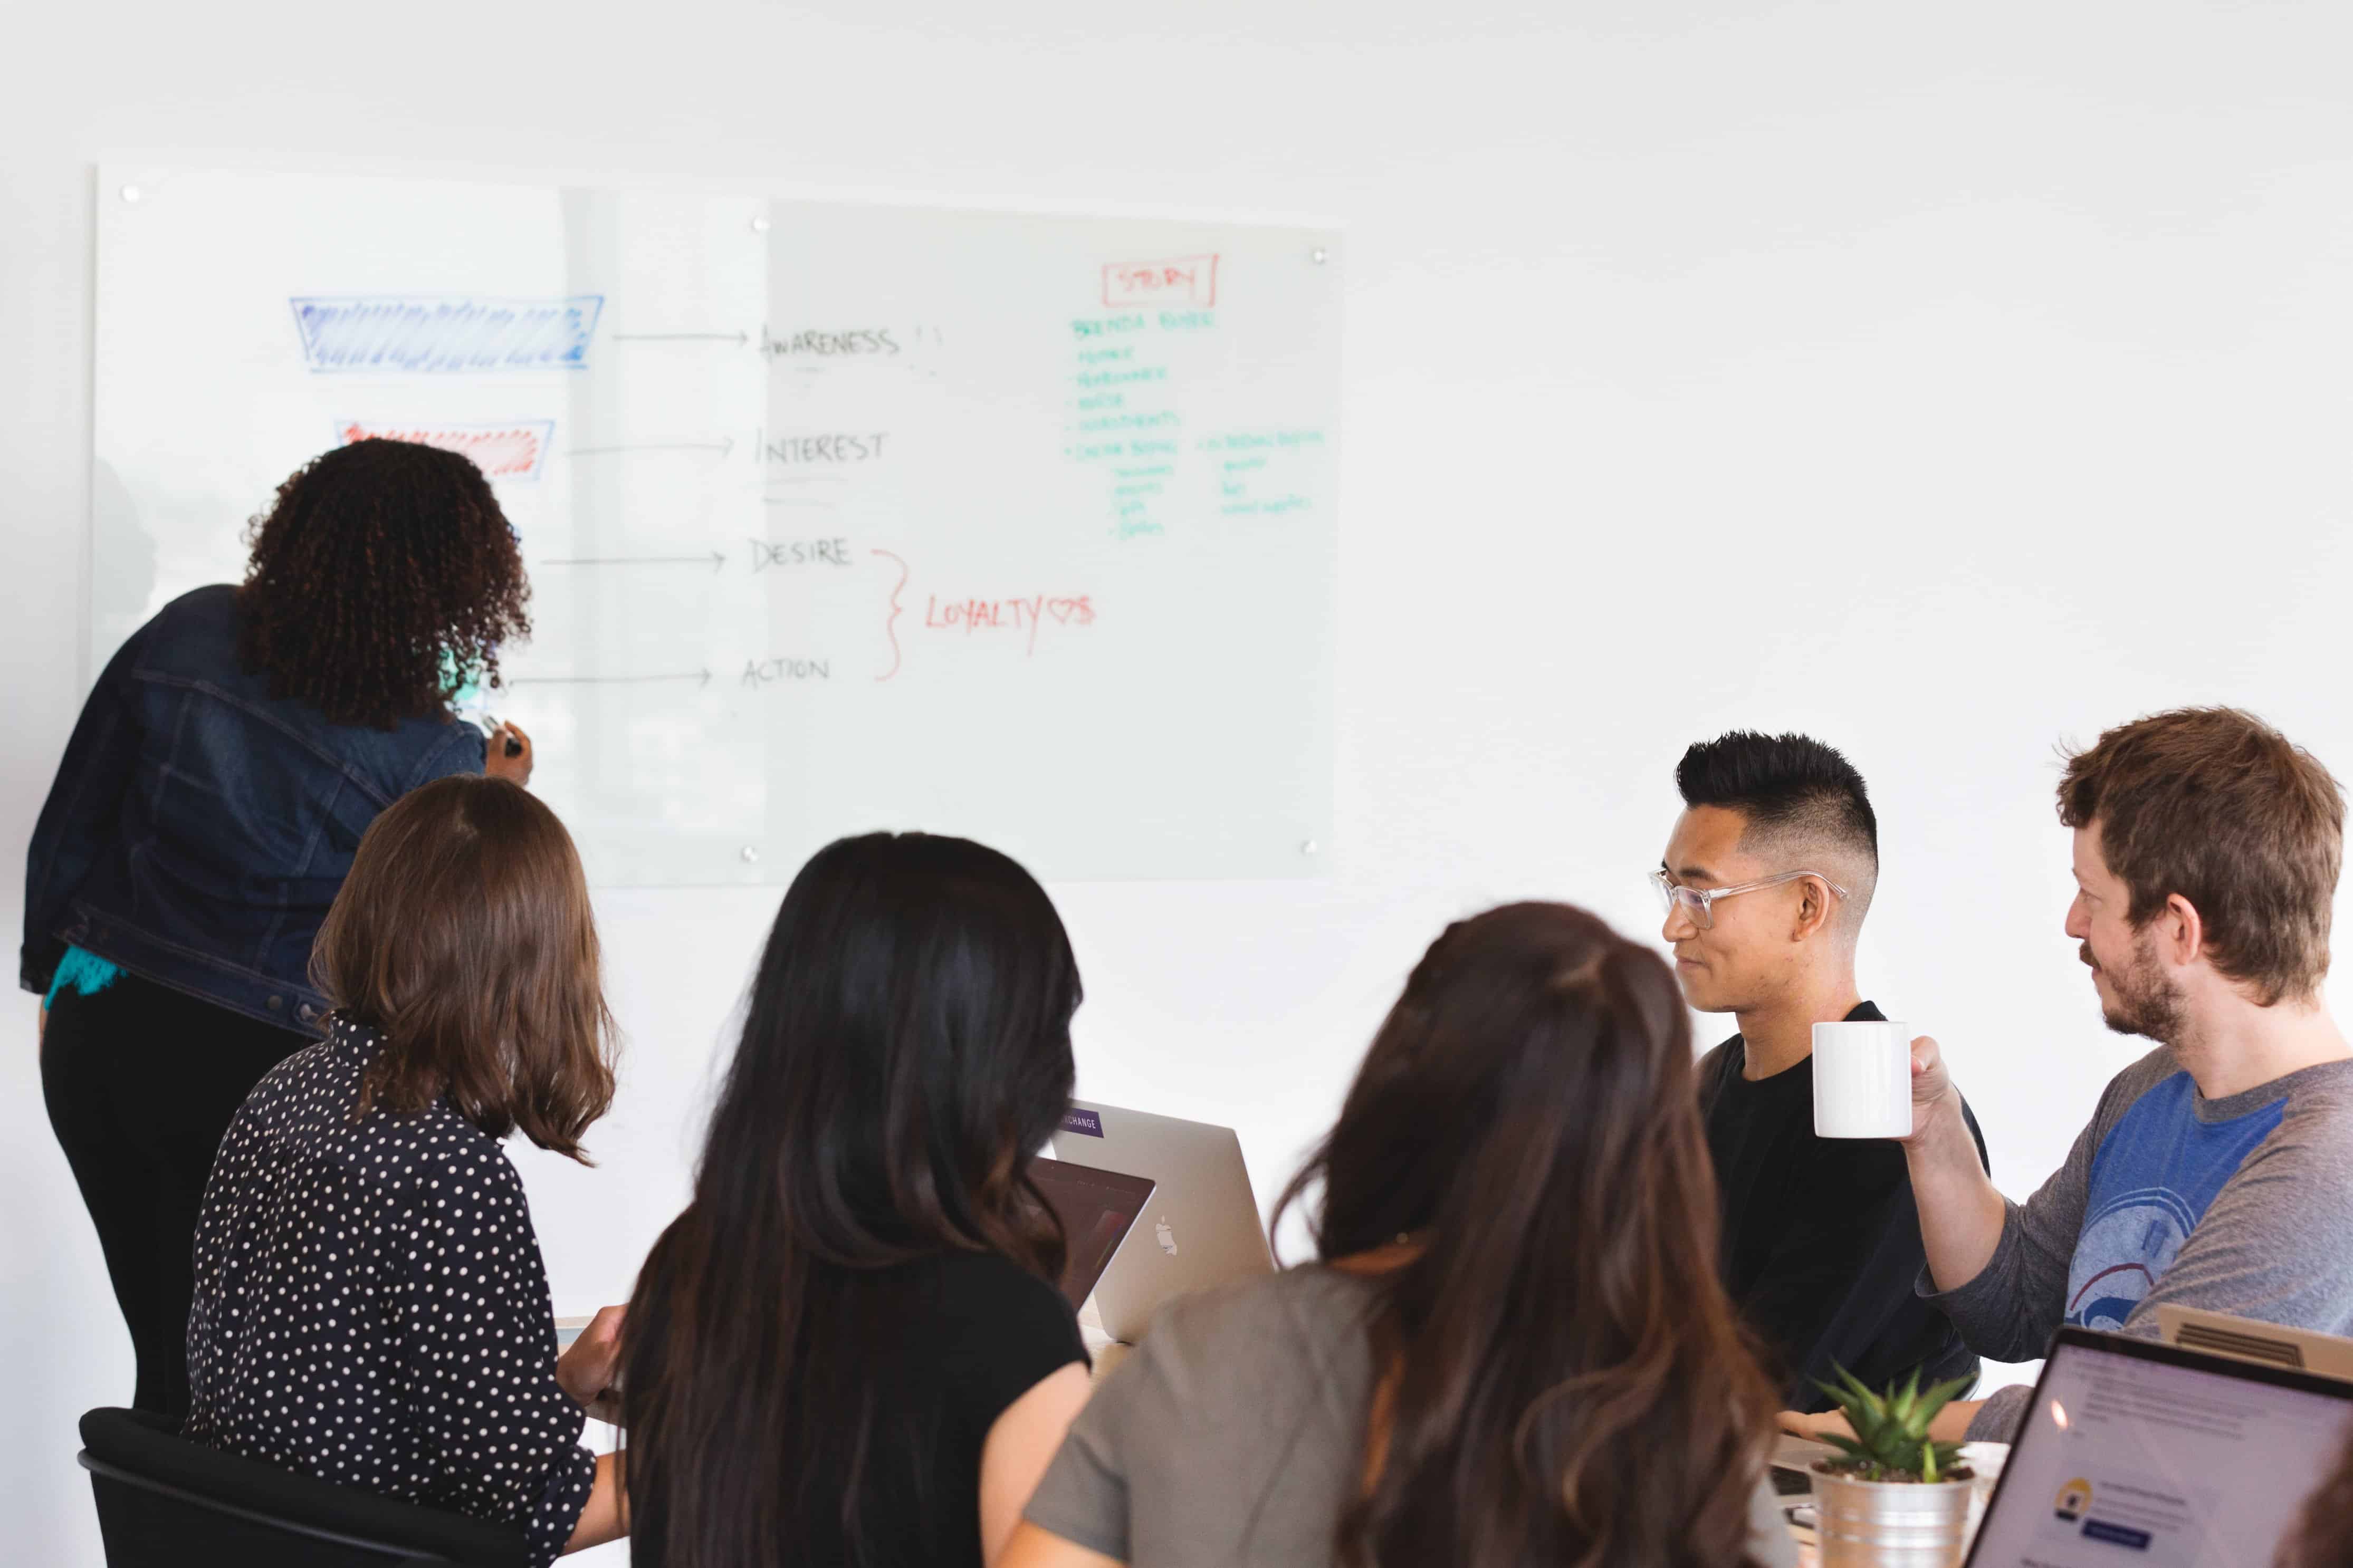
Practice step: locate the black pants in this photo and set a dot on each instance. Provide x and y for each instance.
(141, 1082)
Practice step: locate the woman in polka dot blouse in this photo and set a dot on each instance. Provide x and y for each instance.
(371, 1308)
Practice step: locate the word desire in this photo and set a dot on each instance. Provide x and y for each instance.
(1180, 281)
(830, 345)
(799, 552)
(760, 672)
(821, 449)
(1030, 615)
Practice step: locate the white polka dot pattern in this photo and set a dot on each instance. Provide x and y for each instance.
(371, 1308)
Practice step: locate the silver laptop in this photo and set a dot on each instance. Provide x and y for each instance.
(2145, 1456)
(1097, 1209)
(2220, 1334)
(1201, 1227)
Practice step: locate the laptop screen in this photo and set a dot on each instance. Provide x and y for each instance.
(2140, 1456)
(1097, 1207)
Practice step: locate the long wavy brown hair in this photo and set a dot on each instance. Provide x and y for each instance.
(1562, 1379)
(464, 934)
(905, 1053)
(383, 582)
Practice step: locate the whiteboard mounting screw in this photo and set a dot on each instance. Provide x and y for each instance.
(1319, 255)
(131, 193)
(751, 854)
(1308, 847)
(759, 225)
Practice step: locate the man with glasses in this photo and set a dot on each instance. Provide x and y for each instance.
(1766, 881)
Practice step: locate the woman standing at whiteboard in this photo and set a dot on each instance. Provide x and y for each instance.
(205, 814)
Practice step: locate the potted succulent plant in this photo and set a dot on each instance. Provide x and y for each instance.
(1897, 1498)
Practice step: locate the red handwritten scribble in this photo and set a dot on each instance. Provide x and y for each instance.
(1180, 281)
(891, 623)
(516, 451)
(973, 616)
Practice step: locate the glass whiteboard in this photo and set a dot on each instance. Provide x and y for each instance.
(838, 517)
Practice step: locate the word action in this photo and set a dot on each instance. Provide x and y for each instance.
(760, 672)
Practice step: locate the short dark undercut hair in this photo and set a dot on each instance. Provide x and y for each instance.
(1791, 784)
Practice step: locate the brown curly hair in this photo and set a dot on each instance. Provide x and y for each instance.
(384, 582)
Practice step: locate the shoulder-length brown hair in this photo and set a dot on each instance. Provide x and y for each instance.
(464, 935)
(1563, 1378)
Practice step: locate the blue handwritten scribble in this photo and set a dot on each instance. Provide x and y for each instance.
(446, 335)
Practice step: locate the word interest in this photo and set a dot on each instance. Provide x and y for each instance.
(828, 448)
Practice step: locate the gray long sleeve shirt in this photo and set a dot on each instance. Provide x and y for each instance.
(2242, 1205)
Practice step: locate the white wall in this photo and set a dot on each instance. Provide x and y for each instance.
(1942, 380)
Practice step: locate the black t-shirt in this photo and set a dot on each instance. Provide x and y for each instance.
(1821, 1242)
(957, 1340)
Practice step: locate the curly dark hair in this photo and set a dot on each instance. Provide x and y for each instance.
(383, 580)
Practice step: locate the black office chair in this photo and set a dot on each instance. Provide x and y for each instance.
(165, 1502)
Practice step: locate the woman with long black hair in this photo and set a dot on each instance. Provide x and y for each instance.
(1512, 1350)
(849, 1348)
(206, 812)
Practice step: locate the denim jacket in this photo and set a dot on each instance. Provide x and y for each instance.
(199, 827)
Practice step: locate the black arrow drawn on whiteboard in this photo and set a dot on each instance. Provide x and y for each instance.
(701, 678)
(738, 339)
(723, 445)
(716, 558)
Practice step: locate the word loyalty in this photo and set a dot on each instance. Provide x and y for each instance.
(1010, 615)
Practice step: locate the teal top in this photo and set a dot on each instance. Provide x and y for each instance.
(84, 970)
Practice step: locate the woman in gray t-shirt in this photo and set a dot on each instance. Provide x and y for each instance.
(1513, 1349)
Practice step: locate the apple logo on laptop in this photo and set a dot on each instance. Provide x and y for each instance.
(1168, 1237)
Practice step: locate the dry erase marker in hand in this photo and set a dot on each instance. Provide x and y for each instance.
(491, 727)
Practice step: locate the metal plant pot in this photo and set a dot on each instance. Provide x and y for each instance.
(1890, 1524)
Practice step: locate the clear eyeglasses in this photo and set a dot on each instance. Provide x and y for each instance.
(1695, 901)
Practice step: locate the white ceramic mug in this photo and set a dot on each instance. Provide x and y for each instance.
(1862, 1080)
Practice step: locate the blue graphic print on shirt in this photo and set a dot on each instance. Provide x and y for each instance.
(2155, 1172)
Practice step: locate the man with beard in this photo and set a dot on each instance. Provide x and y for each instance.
(2218, 1170)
